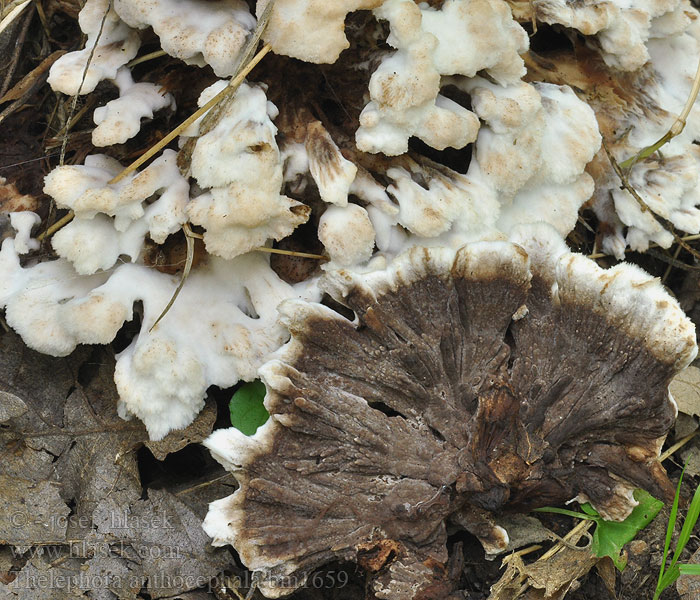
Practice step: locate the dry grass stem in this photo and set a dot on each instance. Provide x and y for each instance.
(676, 128)
(189, 238)
(153, 150)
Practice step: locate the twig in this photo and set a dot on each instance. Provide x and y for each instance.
(671, 264)
(679, 444)
(185, 273)
(199, 236)
(685, 238)
(153, 150)
(74, 103)
(19, 43)
(290, 253)
(64, 220)
(642, 204)
(201, 485)
(146, 57)
(676, 128)
(77, 116)
(212, 118)
(246, 62)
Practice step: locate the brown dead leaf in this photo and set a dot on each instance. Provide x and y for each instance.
(176, 440)
(550, 579)
(509, 585)
(607, 573)
(166, 538)
(523, 530)
(691, 460)
(685, 389)
(684, 426)
(72, 504)
(39, 579)
(31, 512)
(11, 406)
(11, 200)
(559, 572)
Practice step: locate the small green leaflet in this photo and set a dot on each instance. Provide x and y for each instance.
(246, 407)
(610, 536)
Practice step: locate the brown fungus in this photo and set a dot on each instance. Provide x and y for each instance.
(500, 377)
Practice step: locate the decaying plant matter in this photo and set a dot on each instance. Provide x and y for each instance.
(502, 376)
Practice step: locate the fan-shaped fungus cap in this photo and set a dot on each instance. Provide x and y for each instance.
(502, 376)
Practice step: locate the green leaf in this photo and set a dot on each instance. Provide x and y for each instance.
(589, 510)
(610, 536)
(247, 409)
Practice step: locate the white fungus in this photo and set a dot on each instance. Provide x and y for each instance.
(240, 163)
(347, 234)
(111, 43)
(198, 32)
(120, 119)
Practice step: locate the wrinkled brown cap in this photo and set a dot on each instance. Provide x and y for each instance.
(501, 377)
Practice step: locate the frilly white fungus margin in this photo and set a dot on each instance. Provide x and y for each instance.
(219, 331)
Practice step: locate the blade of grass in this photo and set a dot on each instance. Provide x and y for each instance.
(671, 527)
(689, 569)
(691, 518)
(669, 577)
(568, 513)
(676, 128)
(185, 273)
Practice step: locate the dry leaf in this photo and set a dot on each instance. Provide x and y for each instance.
(176, 440)
(691, 460)
(552, 577)
(523, 530)
(32, 80)
(607, 573)
(559, 572)
(685, 425)
(72, 497)
(685, 389)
